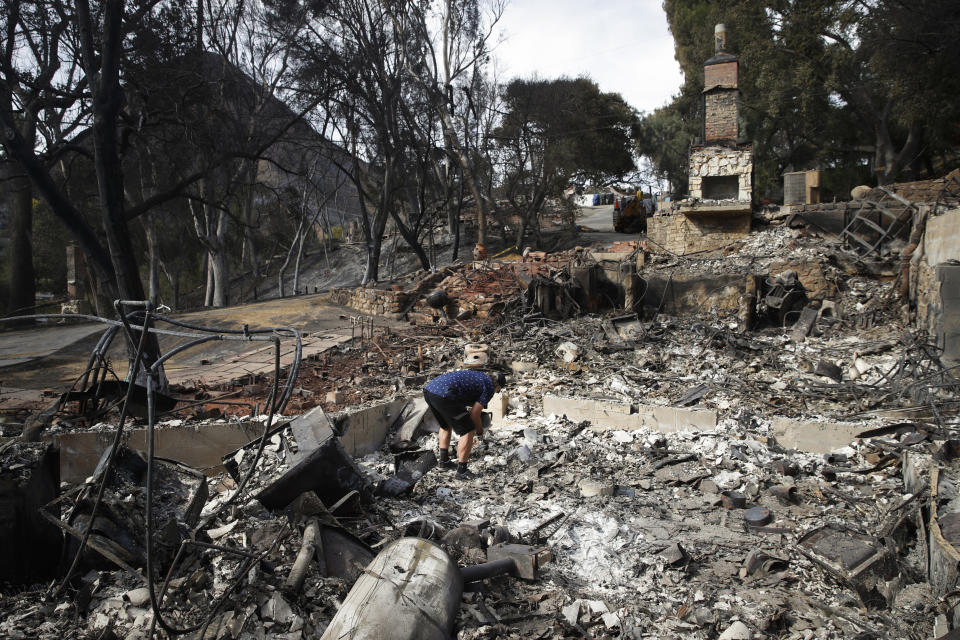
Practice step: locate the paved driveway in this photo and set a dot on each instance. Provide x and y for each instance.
(47, 361)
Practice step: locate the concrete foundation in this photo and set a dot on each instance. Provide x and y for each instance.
(815, 437)
(693, 294)
(607, 415)
(364, 431)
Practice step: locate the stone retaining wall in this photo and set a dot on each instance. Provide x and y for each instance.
(375, 302)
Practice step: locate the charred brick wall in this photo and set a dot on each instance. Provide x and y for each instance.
(720, 116)
(723, 74)
(683, 234)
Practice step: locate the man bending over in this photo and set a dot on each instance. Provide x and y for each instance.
(458, 399)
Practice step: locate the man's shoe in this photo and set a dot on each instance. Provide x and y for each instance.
(444, 462)
(465, 474)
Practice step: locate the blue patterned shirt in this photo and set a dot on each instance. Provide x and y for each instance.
(465, 387)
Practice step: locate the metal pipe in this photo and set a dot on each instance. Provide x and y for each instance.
(488, 570)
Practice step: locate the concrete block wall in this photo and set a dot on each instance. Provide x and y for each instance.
(935, 283)
(683, 234)
(811, 276)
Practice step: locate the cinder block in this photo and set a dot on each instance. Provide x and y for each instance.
(498, 407)
(815, 437)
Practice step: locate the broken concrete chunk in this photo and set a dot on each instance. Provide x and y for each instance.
(590, 488)
(814, 437)
(709, 486)
(610, 620)
(523, 367)
(568, 352)
(571, 612)
(137, 597)
(674, 554)
(597, 607)
(737, 631)
(277, 609)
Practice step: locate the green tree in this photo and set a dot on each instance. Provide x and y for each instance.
(555, 133)
(829, 83)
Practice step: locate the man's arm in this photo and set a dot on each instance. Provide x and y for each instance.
(476, 414)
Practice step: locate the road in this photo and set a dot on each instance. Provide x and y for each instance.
(600, 219)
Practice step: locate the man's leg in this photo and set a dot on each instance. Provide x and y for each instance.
(443, 437)
(464, 446)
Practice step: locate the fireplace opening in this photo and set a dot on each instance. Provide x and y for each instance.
(721, 187)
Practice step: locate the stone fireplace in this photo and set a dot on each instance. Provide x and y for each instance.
(718, 206)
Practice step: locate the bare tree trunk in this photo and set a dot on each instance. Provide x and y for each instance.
(286, 260)
(296, 266)
(154, 256)
(23, 283)
(208, 267)
(221, 271)
(249, 252)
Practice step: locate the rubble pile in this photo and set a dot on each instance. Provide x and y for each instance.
(679, 476)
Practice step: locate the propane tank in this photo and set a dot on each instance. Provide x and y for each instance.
(411, 591)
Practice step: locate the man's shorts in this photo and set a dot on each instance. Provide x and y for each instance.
(450, 413)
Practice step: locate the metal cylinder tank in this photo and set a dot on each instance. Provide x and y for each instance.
(411, 591)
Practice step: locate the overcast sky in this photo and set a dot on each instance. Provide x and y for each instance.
(623, 45)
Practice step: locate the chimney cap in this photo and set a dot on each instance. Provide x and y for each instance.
(720, 38)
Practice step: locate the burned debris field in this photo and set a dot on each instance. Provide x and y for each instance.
(759, 441)
(447, 320)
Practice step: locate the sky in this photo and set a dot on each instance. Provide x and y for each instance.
(623, 45)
